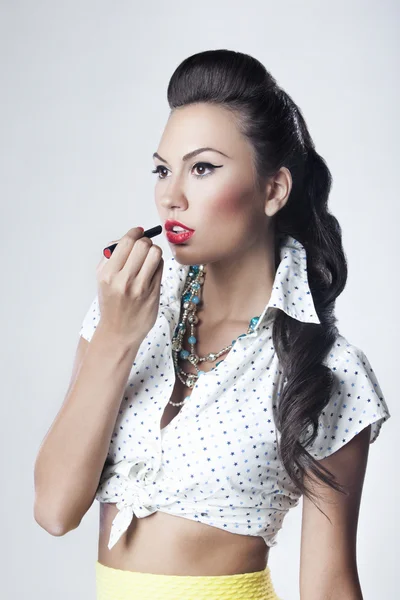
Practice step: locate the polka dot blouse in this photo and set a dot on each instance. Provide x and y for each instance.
(217, 462)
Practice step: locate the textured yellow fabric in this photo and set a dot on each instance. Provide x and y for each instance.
(116, 584)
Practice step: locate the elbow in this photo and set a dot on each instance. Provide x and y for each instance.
(52, 524)
(52, 528)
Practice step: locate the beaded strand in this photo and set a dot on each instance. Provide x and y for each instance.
(190, 300)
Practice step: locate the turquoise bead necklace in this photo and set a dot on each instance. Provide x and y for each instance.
(190, 300)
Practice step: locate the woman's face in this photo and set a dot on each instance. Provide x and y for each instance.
(219, 203)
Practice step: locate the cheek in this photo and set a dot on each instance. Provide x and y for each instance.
(229, 204)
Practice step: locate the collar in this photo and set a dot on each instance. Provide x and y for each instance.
(290, 290)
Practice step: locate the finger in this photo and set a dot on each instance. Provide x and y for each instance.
(150, 264)
(136, 258)
(123, 249)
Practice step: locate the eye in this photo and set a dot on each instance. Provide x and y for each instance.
(160, 168)
(202, 166)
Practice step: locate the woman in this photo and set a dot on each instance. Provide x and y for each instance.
(242, 396)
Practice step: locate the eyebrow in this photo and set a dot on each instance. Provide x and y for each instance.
(191, 154)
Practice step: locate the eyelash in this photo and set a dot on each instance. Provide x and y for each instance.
(203, 164)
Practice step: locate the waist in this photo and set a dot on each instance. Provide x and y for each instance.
(113, 583)
(167, 544)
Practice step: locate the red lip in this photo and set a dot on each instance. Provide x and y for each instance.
(179, 238)
(169, 224)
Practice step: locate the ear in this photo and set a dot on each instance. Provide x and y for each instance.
(278, 191)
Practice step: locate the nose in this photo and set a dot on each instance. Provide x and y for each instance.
(172, 196)
(173, 201)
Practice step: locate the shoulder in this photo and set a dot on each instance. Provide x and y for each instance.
(343, 355)
(356, 384)
(356, 400)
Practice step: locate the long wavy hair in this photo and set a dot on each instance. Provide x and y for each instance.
(275, 127)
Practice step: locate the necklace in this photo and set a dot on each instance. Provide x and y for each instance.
(190, 299)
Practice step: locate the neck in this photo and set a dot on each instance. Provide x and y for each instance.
(238, 288)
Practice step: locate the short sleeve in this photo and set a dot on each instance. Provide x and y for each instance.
(356, 401)
(91, 320)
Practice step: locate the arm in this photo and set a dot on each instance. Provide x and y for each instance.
(328, 563)
(73, 452)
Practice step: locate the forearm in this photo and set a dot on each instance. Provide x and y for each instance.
(73, 453)
(341, 587)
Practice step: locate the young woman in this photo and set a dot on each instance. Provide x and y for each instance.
(210, 393)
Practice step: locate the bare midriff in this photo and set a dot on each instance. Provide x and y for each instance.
(172, 545)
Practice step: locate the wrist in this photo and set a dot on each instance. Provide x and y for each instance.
(116, 343)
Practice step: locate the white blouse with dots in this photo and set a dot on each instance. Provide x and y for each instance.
(216, 462)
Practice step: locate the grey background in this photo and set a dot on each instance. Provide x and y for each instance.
(83, 106)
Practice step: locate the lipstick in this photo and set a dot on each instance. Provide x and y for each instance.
(152, 232)
(179, 238)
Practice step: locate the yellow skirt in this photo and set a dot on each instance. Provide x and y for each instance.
(117, 584)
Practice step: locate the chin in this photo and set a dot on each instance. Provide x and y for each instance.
(180, 257)
(186, 255)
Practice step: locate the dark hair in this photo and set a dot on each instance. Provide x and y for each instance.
(274, 125)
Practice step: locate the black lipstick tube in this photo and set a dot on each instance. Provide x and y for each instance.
(148, 233)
